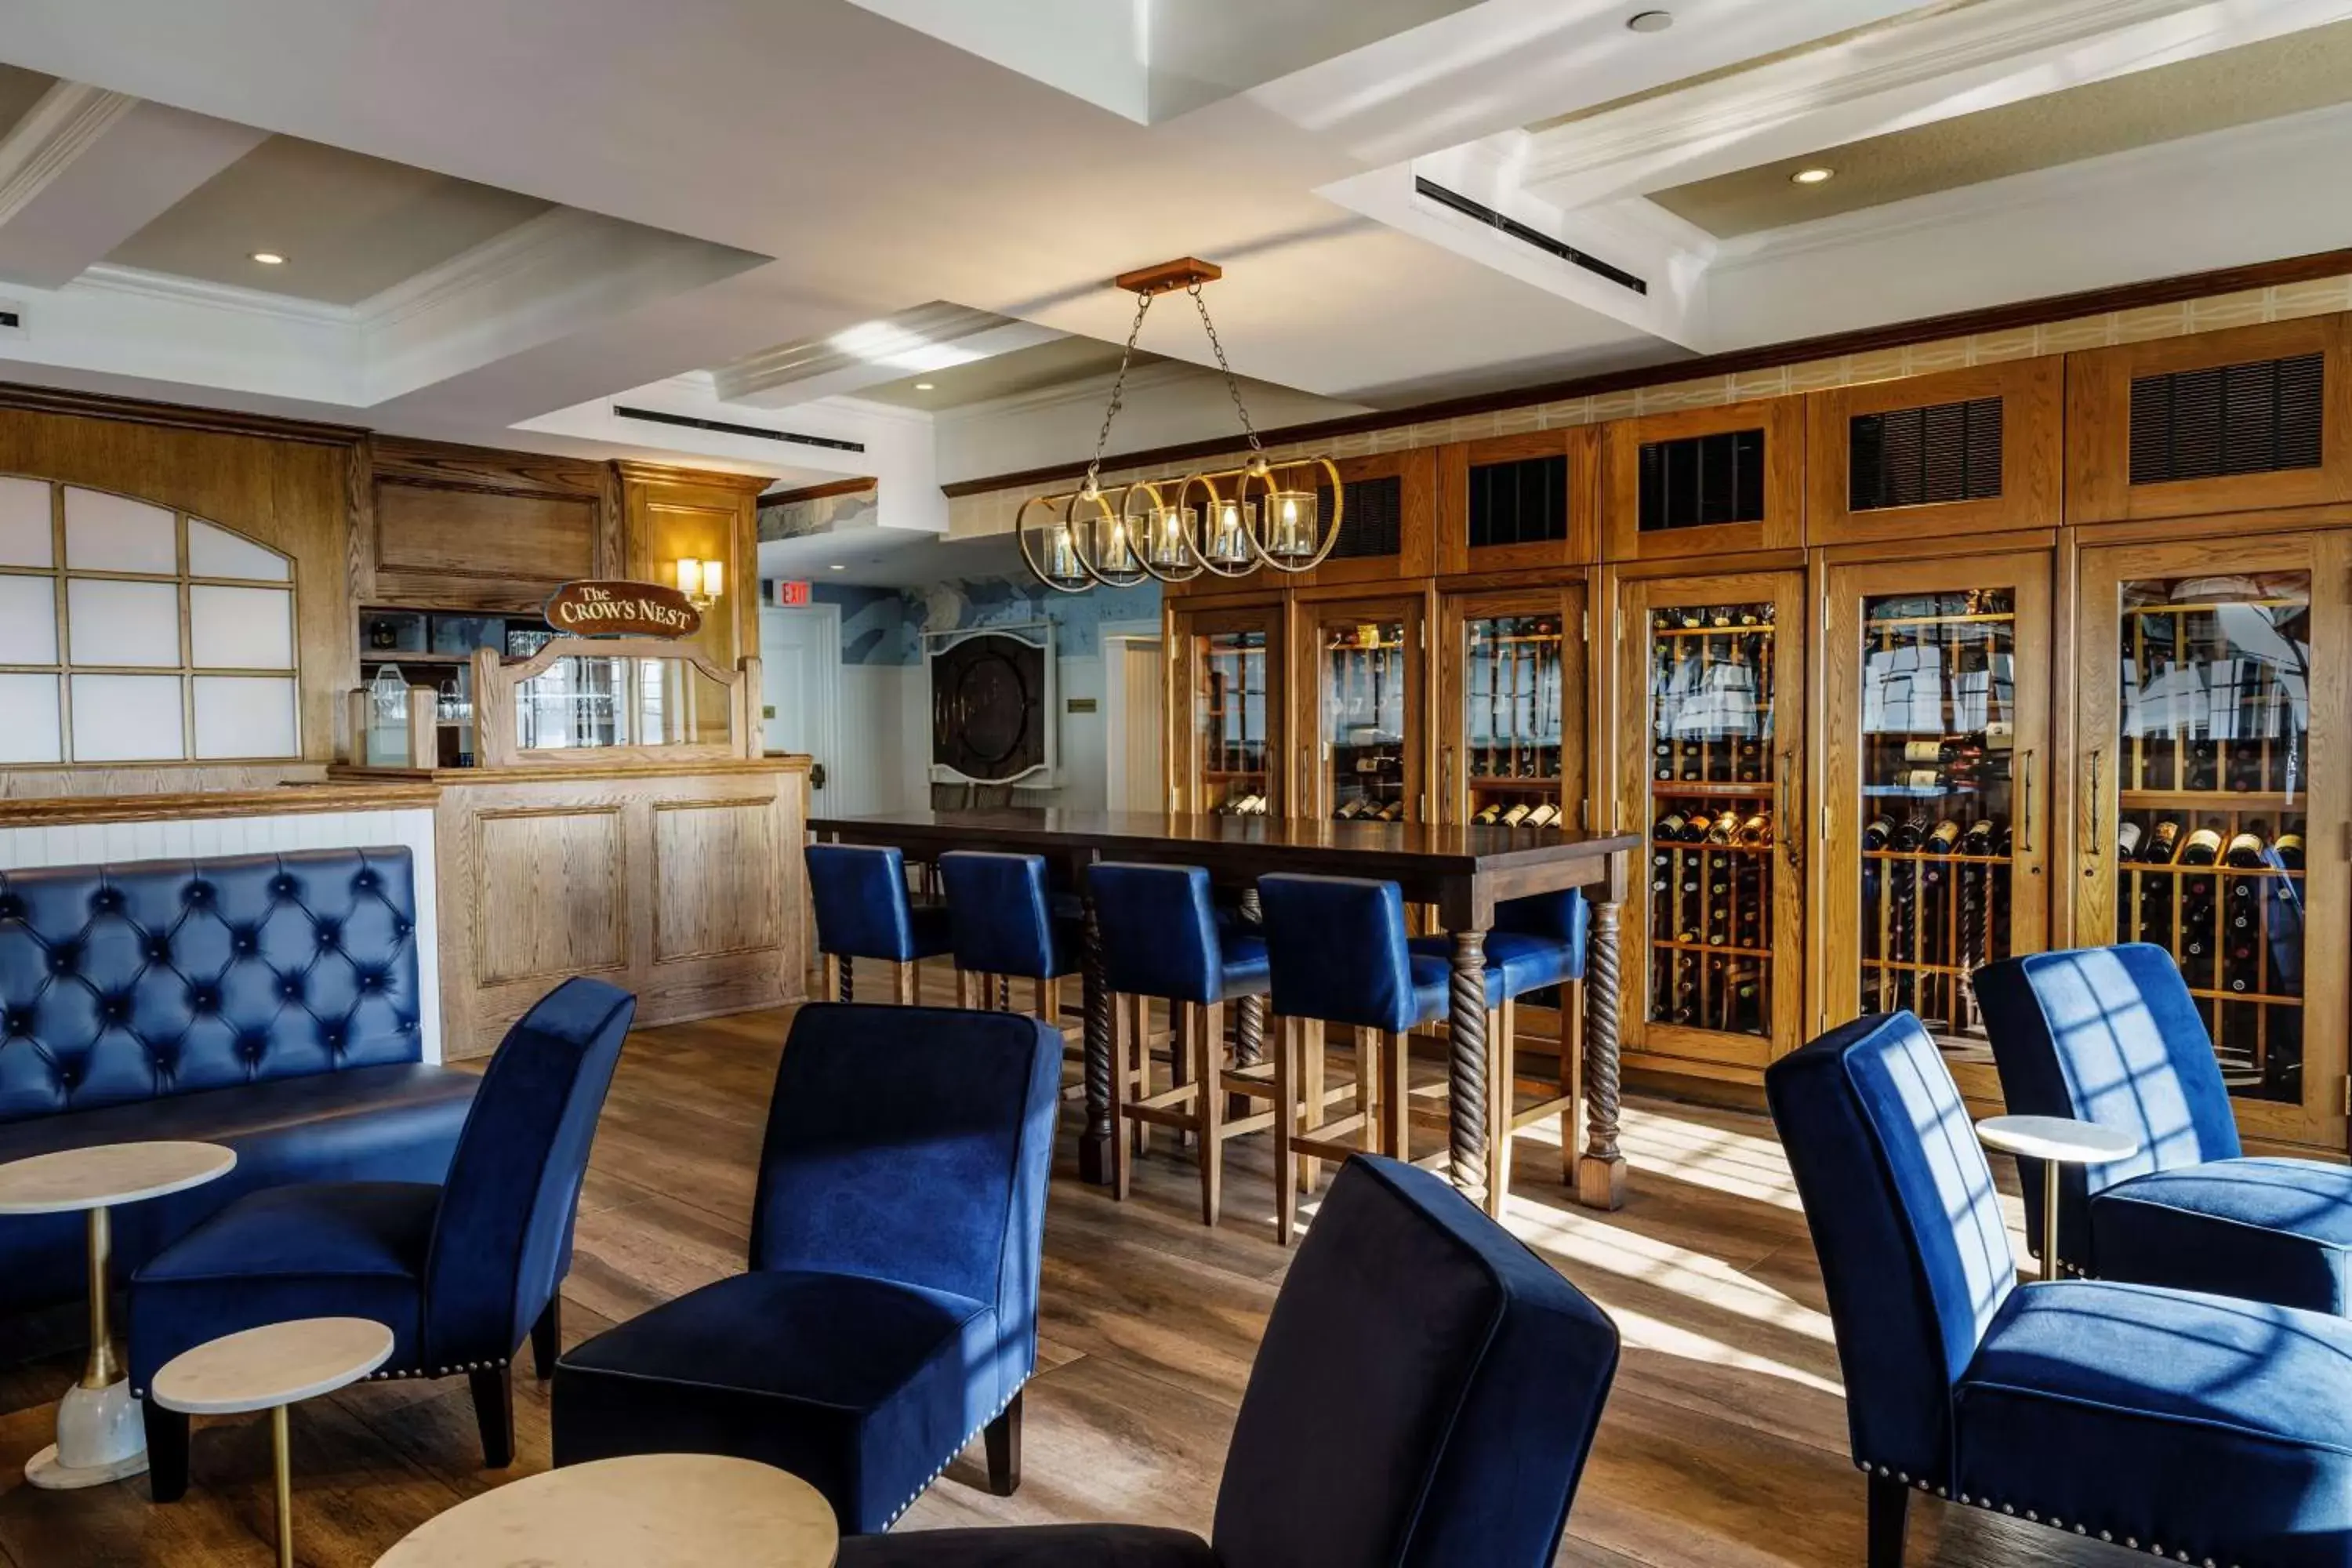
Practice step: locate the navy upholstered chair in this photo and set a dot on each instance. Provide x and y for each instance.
(460, 1271)
(862, 911)
(890, 1311)
(1006, 923)
(2112, 1035)
(1337, 953)
(2195, 1428)
(1424, 1397)
(1161, 938)
(1539, 943)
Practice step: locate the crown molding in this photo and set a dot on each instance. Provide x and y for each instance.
(1906, 56)
(553, 232)
(939, 322)
(66, 122)
(2003, 200)
(170, 288)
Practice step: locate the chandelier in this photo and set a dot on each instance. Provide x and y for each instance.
(1228, 522)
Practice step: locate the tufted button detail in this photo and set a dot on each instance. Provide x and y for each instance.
(16, 1021)
(365, 879)
(241, 940)
(400, 928)
(282, 887)
(12, 907)
(251, 1046)
(198, 895)
(115, 1009)
(106, 902)
(67, 1077)
(62, 960)
(159, 950)
(203, 998)
(290, 988)
(330, 933)
(333, 1036)
(370, 980)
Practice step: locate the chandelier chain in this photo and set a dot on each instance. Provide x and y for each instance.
(1118, 392)
(1231, 385)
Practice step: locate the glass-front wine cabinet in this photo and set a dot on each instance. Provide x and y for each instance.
(2212, 699)
(1511, 736)
(1227, 712)
(1936, 787)
(1362, 705)
(1714, 671)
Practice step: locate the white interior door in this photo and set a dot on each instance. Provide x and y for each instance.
(800, 676)
(1135, 679)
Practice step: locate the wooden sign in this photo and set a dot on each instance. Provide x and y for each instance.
(621, 609)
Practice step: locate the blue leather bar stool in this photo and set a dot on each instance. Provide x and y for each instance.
(1161, 938)
(862, 911)
(1337, 953)
(1537, 942)
(1004, 923)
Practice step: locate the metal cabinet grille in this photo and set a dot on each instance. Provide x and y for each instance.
(2252, 419)
(1521, 502)
(1374, 522)
(1941, 453)
(1699, 481)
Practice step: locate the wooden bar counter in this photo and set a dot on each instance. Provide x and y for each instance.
(680, 881)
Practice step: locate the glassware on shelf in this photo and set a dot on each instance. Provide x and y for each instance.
(1713, 777)
(1511, 722)
(2214, 726)
(1364, 677)
(1939, 796)
(1230, 719)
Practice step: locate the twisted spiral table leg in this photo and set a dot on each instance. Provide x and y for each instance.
(1249, 1030)
(1466, 1113)
(849, 980)
(1094, 1143)
(1600, 1172)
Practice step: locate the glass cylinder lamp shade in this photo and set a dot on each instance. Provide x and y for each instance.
(1050, 545)
(1104, 538)
(1223, 526)
(1159, 532)
(1291, 532)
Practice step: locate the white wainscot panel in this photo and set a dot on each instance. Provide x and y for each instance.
(127, 718)
(29, 620)
(240, 628)
(216, 552)
(28, 719)
(107, 622)
(205, 839)
(114, 534)
(27, 532)
(246, 716)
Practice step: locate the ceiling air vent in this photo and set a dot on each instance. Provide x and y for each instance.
(1373, 521)
(2251, 418)
(1924, 456)
(1699, 481)
(1523, 502)
(655, 416)
(12, 320)
(1459, 203)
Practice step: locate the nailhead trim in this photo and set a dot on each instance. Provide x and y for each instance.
(926, 1485)
(2154, 1548)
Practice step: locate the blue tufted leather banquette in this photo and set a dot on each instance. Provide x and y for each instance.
(267, 1001)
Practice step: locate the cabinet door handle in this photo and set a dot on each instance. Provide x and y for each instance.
(2026, 827)
(1445, 786)
(2098, 845)
(1791, 834)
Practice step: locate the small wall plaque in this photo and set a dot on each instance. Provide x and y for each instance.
(1082, 704)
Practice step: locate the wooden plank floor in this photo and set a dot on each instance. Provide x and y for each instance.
(1723, 1445)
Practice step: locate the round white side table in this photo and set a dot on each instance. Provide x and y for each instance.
(100, 1435)
(269, 1368)
(2054, 1141)
(646, 1510)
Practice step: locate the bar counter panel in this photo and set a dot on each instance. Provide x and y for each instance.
(680, 882)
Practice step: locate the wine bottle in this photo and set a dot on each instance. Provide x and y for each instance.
(1543, 816)
(1664, 767)
(1724, 828)
(1921, 778)
(1978, 841)
(1945, 837)
(2164, 844)
(2244, 849)
(2203, 765)
(1926, 752)
(1907, 836)
(1667, 830)
(1490, 814)
(2127, 837)
(1516, 814)
(2289, 851)
(2204, 846)
(1393, 811)
(1875, 835)
(1755, 832)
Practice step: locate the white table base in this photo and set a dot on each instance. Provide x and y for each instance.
(101, 1438)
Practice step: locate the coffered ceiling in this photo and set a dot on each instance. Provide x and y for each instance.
(512, 224)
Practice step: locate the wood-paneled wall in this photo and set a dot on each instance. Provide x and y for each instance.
(467, 527)
(284, 484)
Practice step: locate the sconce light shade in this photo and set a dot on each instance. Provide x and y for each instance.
(689, 575)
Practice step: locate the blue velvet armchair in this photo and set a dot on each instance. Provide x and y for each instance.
(460, 1271)
(2193, 1427)
(890, 1311)
(2112, 1035)
(1425, 1397)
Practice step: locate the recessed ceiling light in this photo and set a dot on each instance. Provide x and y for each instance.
(837, 567)
(922, 386)
(1650, 21)
(1811, 176)
(269, 258)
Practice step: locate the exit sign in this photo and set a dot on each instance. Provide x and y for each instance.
(790, 593)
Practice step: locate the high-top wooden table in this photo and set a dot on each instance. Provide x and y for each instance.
(1463, 871)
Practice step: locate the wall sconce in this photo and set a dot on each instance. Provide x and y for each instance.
(702, 581)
